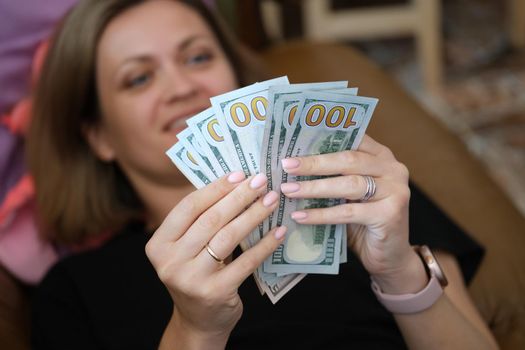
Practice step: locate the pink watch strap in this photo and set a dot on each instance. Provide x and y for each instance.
(410, 303)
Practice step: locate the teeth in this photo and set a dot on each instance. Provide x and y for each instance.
(177, 124)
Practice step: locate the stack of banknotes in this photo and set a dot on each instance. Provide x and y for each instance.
(252, 129)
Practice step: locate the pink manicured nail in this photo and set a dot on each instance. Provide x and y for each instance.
(280, 232)
(236, 177)
(270, 198)
(258, 181)
(290, 163)
(299, 215)
(290, 187)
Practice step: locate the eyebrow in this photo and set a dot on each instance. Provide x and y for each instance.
(183, 45)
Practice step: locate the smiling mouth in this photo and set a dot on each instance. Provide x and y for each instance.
(179, 123)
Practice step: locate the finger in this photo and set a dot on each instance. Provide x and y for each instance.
(351, 187)
(225, 241)
(238, 270)
(182, 216)
(221, 213)
(356, 213)
(371, 146)
(346, 162)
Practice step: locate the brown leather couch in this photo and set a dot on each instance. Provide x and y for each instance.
(439, 163)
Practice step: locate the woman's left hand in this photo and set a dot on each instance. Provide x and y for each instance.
(377, 228)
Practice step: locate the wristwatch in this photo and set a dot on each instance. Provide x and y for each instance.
(416, 302)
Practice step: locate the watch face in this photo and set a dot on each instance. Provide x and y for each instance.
(433, 265)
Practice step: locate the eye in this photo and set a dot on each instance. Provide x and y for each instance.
(138, 80)
(199, 59)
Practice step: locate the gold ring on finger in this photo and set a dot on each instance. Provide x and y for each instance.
(213, 255)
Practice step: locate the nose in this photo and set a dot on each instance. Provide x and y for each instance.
(178, 85)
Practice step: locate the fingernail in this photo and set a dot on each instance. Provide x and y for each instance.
(280, 232)
(290, 163)
(258, 181)
(270, 198)
(299, 215)
(290, 187)
(236, 177)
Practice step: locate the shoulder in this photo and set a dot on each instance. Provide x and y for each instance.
(89, 294)
(81, 271)
(116, 257)
(125, 248)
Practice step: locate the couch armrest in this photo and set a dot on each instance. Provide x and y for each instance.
(442, 166)
(14, 314)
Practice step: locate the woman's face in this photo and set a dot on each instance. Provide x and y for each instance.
(157, 64)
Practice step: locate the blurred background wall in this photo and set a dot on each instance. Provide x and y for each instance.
(464, 60)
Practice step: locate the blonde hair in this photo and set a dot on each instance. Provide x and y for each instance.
(78, 195)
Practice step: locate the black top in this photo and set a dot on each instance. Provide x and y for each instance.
(111, 298)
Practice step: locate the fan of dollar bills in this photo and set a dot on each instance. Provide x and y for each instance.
(252, 129)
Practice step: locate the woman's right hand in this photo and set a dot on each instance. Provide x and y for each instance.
(204, 291)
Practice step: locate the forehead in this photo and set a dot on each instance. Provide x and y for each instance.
(151, 25)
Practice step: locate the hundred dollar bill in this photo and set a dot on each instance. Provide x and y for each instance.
(309, 248)
(188, 140)
(284, 110)
(209, 134)
(292, 108)
(188, 165)
(242, 114)
(279, 286)
(270, 150)
(343, 255)
(273, 125)
(328, 122)
(284, 284)
(286, 107)
(277, 115)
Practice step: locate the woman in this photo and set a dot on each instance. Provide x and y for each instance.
(121, 78)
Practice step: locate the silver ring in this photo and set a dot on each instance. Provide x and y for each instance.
(213, 255)
(370, 188)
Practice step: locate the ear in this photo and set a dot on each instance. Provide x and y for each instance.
(98, 140)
